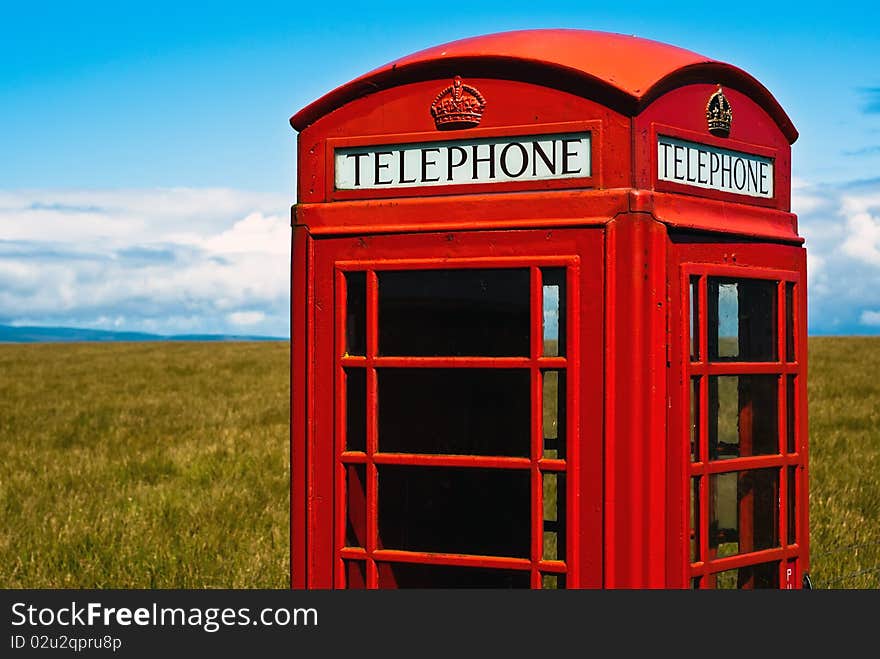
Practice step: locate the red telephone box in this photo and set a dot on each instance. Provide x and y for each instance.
(549, 323)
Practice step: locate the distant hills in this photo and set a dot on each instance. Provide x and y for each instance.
(12, 334)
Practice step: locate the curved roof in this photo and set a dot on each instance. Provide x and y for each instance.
(625, 72)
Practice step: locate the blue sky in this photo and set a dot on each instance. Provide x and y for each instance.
(148, 164)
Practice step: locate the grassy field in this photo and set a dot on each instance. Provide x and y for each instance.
(166, 465)
(151, 465)
(844, 388)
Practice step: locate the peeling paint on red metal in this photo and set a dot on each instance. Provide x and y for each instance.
(633, 69)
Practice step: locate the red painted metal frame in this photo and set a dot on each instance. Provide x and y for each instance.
(594, 180)
(373, 457)
(763, 262)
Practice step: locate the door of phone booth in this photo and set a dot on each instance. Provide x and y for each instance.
(548, 323)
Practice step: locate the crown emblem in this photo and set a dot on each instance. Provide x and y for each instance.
(719, 114)
(458, 106)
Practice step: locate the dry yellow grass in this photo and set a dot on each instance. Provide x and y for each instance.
(152, 465)
(166, 465)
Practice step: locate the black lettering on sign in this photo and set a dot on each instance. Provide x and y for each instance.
(739, 174)
(357, 165)
(725, 169)
(566, 154)
(702, 165)
(450, 162)
(666, 148)
(691, 153)
(753, 174)
(401, 165)
(714, 168)
(458, 162)
(765, 177)
(378, 166)
(538, 152)
(489, 159)
(524, 162)
(678, 161)
(428, 163)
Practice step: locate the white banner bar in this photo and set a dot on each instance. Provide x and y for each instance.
(711, 168)
(456, 162)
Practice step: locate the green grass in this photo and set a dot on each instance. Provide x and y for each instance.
(167, 466)
(144, 465)
(844, 388)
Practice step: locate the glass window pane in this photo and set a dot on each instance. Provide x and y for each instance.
(554, 311)
(764, 575)
(742, 320)
(792, 505)
(462, 411)
(454, 312)
(743, 511)
(356, 313)
(356, 505)
(789, 321)
(414, 575)
(695, 420)
(791, 409)
(454, 510)
(694, 325)
(554, 414)
(554, 516)
(695, 519)
(355, 575)
(743, 416)
(355, 409)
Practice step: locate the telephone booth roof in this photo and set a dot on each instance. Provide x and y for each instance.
(625, 72)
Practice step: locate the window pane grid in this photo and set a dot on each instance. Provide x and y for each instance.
(545, 357)
(700, 347)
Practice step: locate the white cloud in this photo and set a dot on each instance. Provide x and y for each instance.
(166, 261)
(841, 224)
(246, 317)
(870, 318)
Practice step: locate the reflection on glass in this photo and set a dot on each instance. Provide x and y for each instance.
(356, 313)
(742, 320)
(695, 419)
(554, 516)
(789, 321)
(792, 505)
(553, 417)
(791, 419)
(355, 409)
(743, 511)
(454, 510)
(463, 411)
(553, 311)
(695, 519)
(454, 312)
(764, 575)
(743, 416)
(356, 505)
(694, 296)
(414, 575)
(355, 575)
